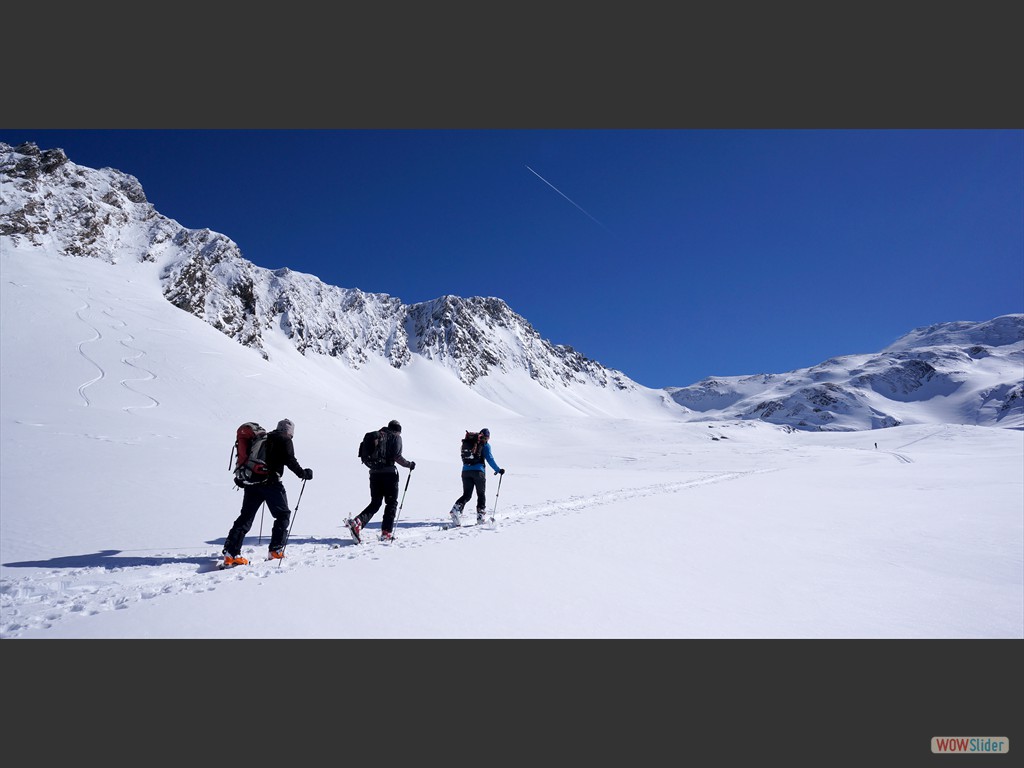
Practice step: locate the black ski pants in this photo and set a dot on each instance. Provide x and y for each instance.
(277, 502)
(383, 490)
(473, 480)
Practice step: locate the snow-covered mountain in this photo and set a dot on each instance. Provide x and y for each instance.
(50, 201)
(957, 372)
(954, 373)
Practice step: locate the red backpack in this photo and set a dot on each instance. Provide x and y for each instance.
(249, 455)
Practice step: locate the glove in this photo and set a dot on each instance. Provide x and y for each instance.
(500, 472)
(412, 465)
(307, 473)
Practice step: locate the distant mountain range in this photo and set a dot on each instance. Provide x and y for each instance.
(957, 372)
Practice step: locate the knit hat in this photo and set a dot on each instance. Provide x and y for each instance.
(394, 425)
(286, 426)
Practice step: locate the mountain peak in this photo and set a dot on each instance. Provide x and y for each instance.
(104, 214)
(998, 332)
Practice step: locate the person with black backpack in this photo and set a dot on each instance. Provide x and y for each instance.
(476, 449)
(380, 452)
(280, 453)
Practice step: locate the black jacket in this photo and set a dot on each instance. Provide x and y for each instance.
(393, 452)
(281, 454)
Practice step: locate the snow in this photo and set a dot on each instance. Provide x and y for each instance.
(616, 518)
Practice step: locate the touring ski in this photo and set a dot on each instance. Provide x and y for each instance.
(449, 526)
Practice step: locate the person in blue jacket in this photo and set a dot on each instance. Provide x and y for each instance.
(474, 478)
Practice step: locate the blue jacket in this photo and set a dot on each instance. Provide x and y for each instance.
(488, 457)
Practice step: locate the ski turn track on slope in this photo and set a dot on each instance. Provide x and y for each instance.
(51, 595)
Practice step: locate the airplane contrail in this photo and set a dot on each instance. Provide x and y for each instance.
(565, 196)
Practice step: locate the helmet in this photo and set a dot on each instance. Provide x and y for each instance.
(394, 425)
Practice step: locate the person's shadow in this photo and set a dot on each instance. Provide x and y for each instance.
(109, 559)
(112, 559)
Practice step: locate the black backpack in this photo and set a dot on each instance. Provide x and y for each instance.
(373, 448)
(471, 449)
(249, 454)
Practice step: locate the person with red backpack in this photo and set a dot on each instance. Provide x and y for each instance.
(474, 475)
(280, 453)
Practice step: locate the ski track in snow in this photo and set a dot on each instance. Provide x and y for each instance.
(39, 601)
(139, 354)
(129, 361)
(96, 337)
(903, 458)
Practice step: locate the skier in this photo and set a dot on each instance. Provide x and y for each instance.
(280, 454)
(474, 477)
(384, 486)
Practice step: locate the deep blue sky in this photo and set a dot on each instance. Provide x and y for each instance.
(670, 255)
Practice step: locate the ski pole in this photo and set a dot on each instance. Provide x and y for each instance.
(295, 514)
(262, 505)
(402, 503)
(497, 493)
